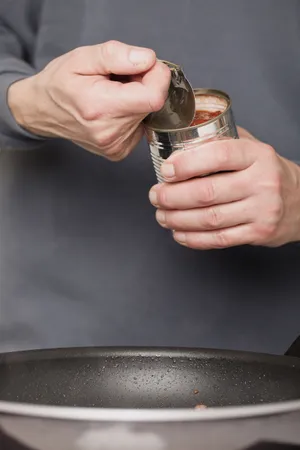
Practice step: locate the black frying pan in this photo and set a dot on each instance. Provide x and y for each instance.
(149, 378)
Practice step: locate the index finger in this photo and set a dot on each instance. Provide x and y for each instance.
(213, 157)
(111, 57)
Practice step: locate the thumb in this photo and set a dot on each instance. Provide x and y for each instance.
(112, 57)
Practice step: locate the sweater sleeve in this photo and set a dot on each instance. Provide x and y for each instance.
(18, 31)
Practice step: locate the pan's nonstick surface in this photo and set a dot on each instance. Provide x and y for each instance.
(155, 378)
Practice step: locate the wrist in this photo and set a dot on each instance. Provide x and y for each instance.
(18, 99)
(22, 100)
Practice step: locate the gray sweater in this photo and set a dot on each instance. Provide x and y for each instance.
(82, 260)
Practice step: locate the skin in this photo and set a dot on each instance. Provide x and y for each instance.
(75, 97)
(257, 202)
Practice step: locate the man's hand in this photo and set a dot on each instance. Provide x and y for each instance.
(79, 97)
(256, 202)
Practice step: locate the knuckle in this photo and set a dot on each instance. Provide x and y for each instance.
(86, 106)
(223, 154)
(76, 52)
(276, 210)
(213, 218)
(164, 219)
(264, 232)
(271, 186)
(266, 229)
(268, 150)
(110, 48)
(221, 239)
(87, 111)
(167, 219)
(275, 181)
(207, 192)
(174, 220)
(162, 196)
(105, 139)
(275, 176)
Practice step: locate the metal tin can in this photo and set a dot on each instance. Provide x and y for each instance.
(163, 142)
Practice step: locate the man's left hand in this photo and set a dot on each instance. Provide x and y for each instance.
(253, 196)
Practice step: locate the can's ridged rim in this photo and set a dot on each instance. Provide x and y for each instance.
(199, 91)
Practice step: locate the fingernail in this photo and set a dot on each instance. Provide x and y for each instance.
(168, 170)
(161, 217)
(139, 56)
(180, 237)
(153, 197)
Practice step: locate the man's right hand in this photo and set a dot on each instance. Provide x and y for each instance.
(76, 98)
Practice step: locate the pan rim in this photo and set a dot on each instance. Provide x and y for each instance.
(81, 414)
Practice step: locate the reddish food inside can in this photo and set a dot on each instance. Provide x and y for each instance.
(202, 116)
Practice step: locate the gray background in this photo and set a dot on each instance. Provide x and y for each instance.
(82, 261)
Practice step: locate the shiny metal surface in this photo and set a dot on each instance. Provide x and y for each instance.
(164, 415)
(179, 108)
(163, 143)
(259, 433)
